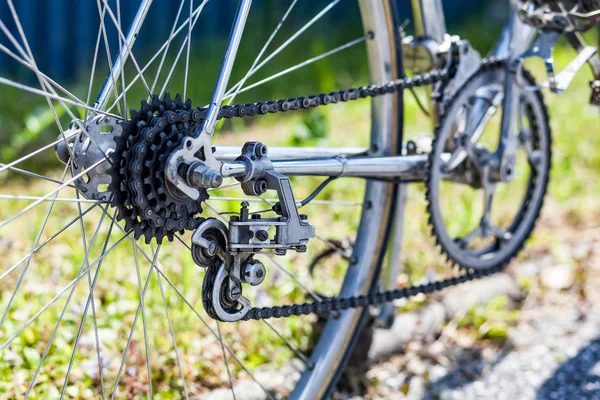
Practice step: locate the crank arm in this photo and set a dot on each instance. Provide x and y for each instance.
(543, 48)
(566, 76)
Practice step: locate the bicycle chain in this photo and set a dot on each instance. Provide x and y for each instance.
(301, 103)
(198, 114)
(372, 299)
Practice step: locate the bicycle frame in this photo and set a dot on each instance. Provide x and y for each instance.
(300, 161)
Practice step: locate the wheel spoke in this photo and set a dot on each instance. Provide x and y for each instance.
(130, 53)
(298, 66)
(159, 271)
(62, 314)
(64, 228)
(225, 359)
(33, 175)
(43, 84)
(241, 83)
(58, 199)
(307, 363)
(36, 241)
(239, 362)
(333, 247)
(288, 42)
(95, 61)
(160, 51)
(168, 45)
(140, 305)
(308, 290)
(62, 291)
(90, 300)
(4, 167)
(25, 63)
(139, 278)
(53, 192)
(102, 8)
(42, 93)
(175, 350)
(180, 52)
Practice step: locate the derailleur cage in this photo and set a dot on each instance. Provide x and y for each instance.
(228, 252)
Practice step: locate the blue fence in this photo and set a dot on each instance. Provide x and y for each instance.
(62, 33)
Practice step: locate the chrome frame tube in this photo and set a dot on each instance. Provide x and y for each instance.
(401, 167)
(519, 37)
(226, 67)
(119, 63)
(230, 153)
(404, 168)
(429, 19)
(192, 145)
(504, 47)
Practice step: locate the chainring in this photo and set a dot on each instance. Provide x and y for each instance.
(140, 190)
(492, 257)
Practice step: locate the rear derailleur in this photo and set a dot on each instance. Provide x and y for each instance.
(228, 252)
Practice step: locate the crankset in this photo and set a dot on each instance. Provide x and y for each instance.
(555, 19)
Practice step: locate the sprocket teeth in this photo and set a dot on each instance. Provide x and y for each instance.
(435, 225)
(177, 101)
(141, 150)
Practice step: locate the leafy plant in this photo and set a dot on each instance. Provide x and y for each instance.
(311, 129)
(492, 320)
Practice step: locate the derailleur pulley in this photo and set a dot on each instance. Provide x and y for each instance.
(228, 252)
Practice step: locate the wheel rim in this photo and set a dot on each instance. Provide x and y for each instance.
(329, 353)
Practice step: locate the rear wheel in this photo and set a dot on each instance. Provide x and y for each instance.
(90, 310)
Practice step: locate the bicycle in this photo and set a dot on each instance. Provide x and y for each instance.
(150, 175)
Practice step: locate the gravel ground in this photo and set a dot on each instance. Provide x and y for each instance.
(553, 352)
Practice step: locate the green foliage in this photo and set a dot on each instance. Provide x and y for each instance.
(491, 320)
(311, 129)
